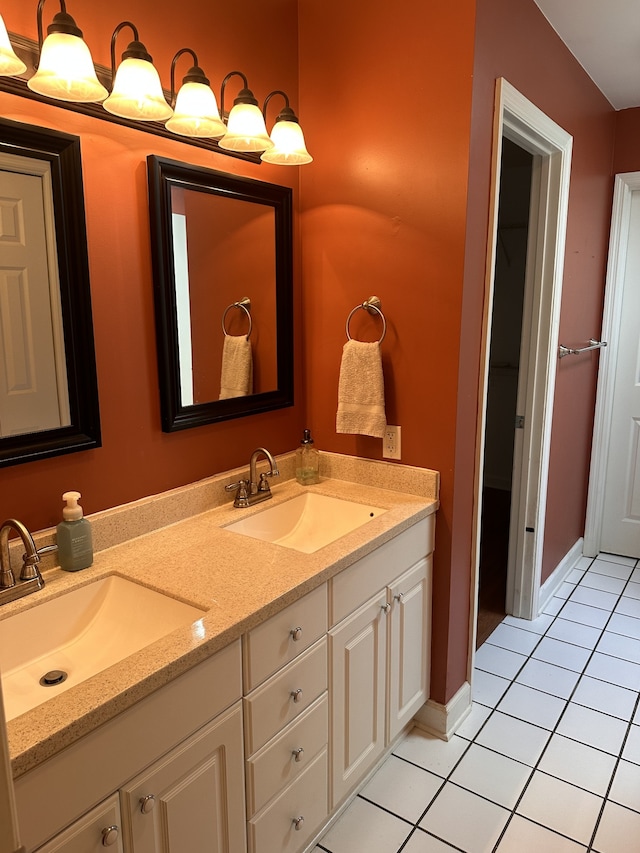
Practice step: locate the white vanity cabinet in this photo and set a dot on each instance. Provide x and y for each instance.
(379, 649)
(97, 830)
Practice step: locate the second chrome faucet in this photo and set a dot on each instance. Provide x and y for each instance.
(255, 489)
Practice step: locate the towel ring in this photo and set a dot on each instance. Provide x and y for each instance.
(372, 305)
(245, 305)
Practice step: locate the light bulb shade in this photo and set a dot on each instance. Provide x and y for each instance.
(196, 113)
(66, 71)
(246, 130)
(289, 148)
(10, 64)
(137, 92)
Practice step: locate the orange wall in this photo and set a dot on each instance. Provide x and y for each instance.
(137, 458)
(627, 154)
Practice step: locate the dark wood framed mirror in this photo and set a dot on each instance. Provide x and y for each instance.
(223, 284)
(48, 383)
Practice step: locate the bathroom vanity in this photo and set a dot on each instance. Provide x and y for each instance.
(251, 728)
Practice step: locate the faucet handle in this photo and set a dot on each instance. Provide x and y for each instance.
(241, 489)
(30, 569)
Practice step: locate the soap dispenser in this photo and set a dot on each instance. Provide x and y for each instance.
(75, 545)
(307, 461)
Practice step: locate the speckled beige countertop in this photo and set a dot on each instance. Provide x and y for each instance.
(237, 581)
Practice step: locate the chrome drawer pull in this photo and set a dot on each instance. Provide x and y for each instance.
(386, 608)
(297, 822)
(147, 804)
(109, 835)
(297, 753)
(296, 695)
(296, 634)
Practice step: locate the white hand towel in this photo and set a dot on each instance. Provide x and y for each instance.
(361, 390)
(236, 379)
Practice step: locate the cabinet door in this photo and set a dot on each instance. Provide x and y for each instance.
(358, 657)
(193, 798)
(410, 641)
(97, 830)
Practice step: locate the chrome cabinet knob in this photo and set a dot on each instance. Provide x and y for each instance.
(296, 634)
(147, 804)
(296, 695)
(110, 835)
(399, 596)
(297, 753)
(386, 608)
(297, 822)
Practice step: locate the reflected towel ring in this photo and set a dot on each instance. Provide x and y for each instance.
(245, 305)
(372, 305)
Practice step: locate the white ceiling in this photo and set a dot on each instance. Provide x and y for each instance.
(604, 36)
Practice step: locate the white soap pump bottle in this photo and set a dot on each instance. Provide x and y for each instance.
(75, 544)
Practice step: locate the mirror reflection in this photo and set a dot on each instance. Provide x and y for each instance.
(222, 250)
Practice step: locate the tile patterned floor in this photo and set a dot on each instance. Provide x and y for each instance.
(549, 758)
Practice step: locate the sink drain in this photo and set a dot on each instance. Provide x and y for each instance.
(53, 677)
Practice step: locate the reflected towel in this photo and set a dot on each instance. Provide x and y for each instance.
(236, 379)
(361, 390)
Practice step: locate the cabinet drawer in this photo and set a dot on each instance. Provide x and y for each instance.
(269, 708)
(279, 762)
(87, 834)
(274, 829)
(352, 587)
(282, 637)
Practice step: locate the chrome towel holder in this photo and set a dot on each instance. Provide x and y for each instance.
(245, 305)
(593, 344)
(372, 305)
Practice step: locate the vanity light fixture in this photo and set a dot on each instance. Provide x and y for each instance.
(289, 148)
(195, 107)
(10, 64)
(65, 68)
(246, 130)
(137, 90)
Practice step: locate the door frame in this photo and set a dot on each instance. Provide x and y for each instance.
(626, 184)
(518, 119)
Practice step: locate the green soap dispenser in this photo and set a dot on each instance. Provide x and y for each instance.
(75, 544)
(307, 461)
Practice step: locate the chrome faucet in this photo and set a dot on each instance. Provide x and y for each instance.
(255, 489)
(30, 578)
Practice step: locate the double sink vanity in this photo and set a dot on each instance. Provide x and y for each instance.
(222, 679)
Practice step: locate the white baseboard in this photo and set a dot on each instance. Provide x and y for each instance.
(443, 720)
(559, 575)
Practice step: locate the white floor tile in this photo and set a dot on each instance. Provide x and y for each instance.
(549, 678)
(605, 583)
(629, 607)
(614, 570)
(619, 831)
(625, 625)
(584, 563)
(632, 590)
(602, 696)
(593, 728)
(631, 750)
(626, 786)
(435, 755)
(523, 836)
(636, 717)
(499, 661)
(402, 788)
(554, 606)
(470, 727)
(537, 626)
(614, 670)
(364, 828)
(533, 706)
(583, 614)
(617, 558)
(571, 632)
(561, 807)
(576, 574)
(565, 590)
(635, 577)
(488, 689)
(578, 764)
(595, 598)
(496, 777)
(618, 646)
(516, 739)
(465, 820)
(562, 654)
(515, 639)
(421, 842)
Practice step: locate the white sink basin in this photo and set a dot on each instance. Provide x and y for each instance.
(80, 633)
(306, 523)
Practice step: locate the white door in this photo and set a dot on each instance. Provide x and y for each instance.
(613, 518)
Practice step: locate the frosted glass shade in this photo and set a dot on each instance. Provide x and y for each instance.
(137, 92)
(246, 130)
(66, 71)
(289, 148)
(10, 64)
(196, 113)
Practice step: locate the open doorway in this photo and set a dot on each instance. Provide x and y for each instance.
(502, 390)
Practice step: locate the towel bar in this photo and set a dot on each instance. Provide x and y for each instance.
(593, 344)
(372, 305)
(245, 305)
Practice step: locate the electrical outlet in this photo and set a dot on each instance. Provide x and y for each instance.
(391, 443)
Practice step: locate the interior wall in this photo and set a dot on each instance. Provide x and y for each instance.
(627, 153)
(137, 458)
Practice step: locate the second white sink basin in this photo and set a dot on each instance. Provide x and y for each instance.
(80, 633)
(306, 523)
